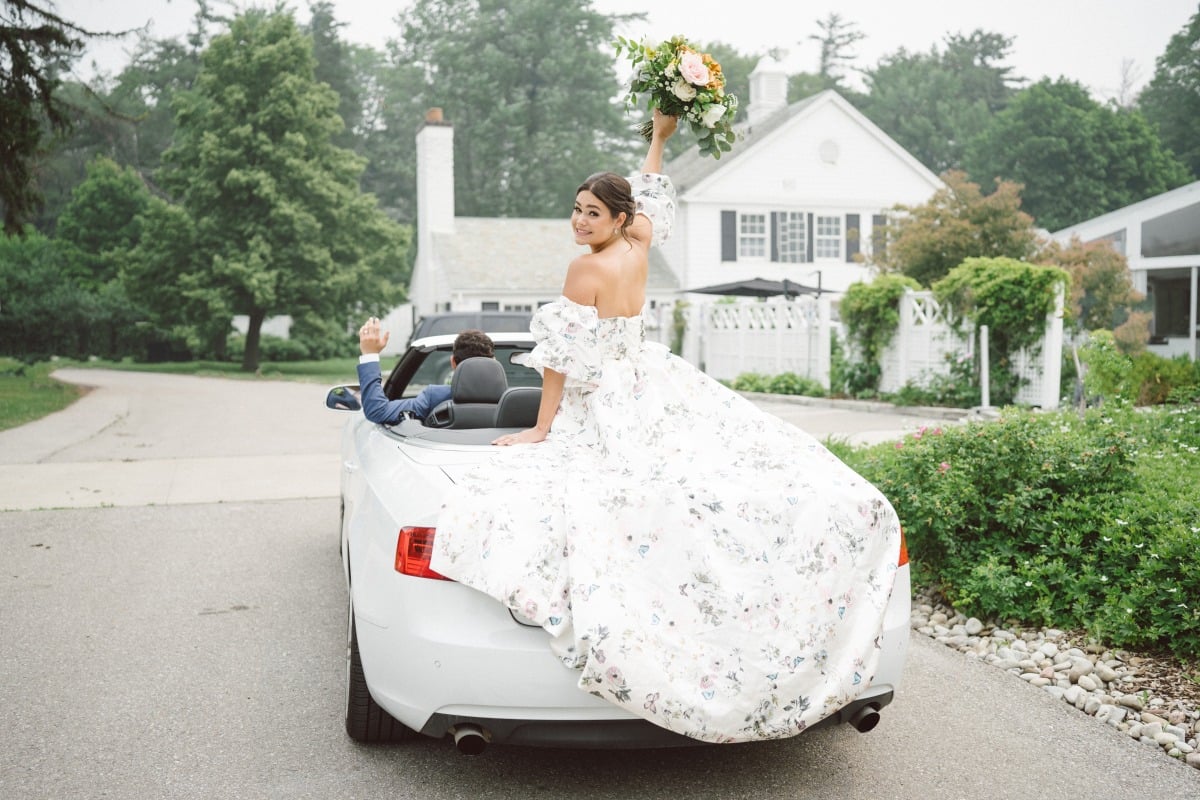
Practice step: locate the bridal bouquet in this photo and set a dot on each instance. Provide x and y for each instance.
(684, 83)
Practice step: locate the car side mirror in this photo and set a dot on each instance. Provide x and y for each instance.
(343, 398)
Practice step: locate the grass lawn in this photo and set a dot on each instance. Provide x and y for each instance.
(332, 370)
(28, 393)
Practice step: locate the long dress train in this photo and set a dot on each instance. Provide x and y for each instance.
(702, 563)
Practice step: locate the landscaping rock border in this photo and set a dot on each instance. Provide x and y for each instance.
(1119, 689)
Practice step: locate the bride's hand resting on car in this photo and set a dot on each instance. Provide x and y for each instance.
(528, 436)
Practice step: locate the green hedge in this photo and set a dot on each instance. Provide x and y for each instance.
(784, 383)
(1088, 522)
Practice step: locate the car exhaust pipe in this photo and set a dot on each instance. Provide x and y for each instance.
(865, 719)
(471, 740)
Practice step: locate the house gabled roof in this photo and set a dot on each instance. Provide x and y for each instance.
(518, 256)
(1178, 197)
(690, 169)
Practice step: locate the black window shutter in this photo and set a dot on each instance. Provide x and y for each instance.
(852, 237)
(808, 240)
(774, 235)
(729, 236)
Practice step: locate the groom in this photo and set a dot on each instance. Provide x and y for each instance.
(375, 405)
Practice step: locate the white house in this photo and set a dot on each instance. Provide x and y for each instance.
(503, 264)
(1160, 237)
(802, 196)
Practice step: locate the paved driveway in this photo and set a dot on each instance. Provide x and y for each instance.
(149, 439)
(191, 643)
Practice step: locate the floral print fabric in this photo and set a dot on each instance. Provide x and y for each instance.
(654, 196)
(701, 563)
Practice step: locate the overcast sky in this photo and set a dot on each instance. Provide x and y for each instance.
(1085, 40)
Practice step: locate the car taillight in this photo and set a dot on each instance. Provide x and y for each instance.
(903, 549)
(414, 549)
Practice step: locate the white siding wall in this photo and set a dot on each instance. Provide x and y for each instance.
(786, 172)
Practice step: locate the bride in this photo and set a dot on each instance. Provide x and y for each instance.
(701, 563)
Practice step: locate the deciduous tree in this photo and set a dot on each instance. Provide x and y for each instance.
(1102, 296)
(959, 222)
(529, 86)
(103, 220)
(267, 207)
(933, 103)
(1076, 158)
(1172, 100)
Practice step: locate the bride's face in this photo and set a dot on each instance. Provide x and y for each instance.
(591, 221)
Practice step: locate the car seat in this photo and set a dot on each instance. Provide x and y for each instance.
(475, 390)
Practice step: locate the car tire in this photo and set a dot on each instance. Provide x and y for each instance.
(366, 722)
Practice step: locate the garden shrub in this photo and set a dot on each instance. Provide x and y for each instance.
(957, 389)
(1143, 379)
(791, 383)
(1088, 522)
(751, 382)
(784, 383)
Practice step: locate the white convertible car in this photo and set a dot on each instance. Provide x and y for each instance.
(429, 655)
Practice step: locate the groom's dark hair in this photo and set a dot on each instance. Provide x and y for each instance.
(473, 344)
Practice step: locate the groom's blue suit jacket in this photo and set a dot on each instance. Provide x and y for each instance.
(376, 406)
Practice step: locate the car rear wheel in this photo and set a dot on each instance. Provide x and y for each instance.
(365, 721)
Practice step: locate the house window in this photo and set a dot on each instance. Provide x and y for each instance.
(829, 237)
(489, 305)
(879, 236)
(1176, 233)
(518, 307)
(752, 236)
(790, 237)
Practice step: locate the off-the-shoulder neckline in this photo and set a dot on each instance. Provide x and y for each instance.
(596, 311)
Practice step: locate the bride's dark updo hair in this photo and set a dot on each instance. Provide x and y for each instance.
(614, 192)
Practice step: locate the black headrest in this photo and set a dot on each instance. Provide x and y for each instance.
(478, 380)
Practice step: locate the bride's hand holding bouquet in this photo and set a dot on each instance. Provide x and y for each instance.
(686, 83)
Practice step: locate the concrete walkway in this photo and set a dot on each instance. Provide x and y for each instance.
(151, 439)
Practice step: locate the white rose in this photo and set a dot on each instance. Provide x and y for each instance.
(684, 91)
(712, 115)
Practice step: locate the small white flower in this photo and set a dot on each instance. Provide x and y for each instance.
(1121, 522)
(1104, 579)
(1028, 583)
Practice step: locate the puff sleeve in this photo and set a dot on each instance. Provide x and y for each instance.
(567, 341)
(654, 195)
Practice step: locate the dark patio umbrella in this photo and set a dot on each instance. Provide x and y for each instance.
(759, 287)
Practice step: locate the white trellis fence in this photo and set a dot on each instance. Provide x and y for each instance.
(926, 342)
(728, 339)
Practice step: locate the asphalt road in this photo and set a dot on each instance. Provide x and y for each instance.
(195, 649)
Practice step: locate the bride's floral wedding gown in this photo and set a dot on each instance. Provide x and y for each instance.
(701, 563)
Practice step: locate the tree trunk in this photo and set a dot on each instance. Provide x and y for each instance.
(253, 334)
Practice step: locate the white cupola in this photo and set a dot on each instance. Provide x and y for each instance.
(768, 90)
